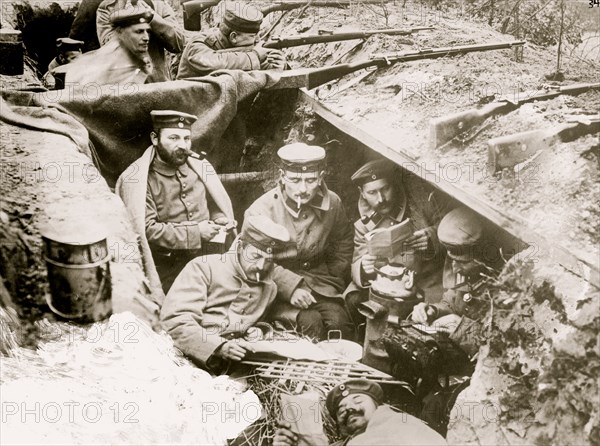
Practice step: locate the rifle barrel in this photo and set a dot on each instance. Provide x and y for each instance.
(338, 37)
(289, 5)
(321, 76)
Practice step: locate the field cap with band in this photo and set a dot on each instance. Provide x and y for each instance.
(242, 17)
(460, 231)
(171, 119)
(373, 170)
(67, 44)
(264, 234)
(341, 391)
(300, 157)
(123, 18)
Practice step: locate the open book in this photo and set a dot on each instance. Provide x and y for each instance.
(388, 242)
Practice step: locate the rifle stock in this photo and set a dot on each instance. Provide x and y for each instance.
(445, 128)
(509, 150)
(338, 37)
(192, 10)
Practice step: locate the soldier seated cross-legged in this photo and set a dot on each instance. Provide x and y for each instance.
(316, 264)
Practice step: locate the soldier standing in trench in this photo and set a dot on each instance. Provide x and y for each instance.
(165, 34)
(231, 46)
(123, 60)
(316, 264)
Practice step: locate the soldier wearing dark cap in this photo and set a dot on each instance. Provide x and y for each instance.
(387, 199)
(185, 203)
(362, 419)
(461, 233)
(216, 299)
(316, 264)
(123, 60)
(165, 35)
(67, 50)
(231, 46)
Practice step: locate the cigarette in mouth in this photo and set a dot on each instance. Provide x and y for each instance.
(298, 201)
(257, 276)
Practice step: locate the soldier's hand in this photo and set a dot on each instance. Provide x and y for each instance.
(141, 4)
(419, 241)
(208, 229)
(221, 221)
(283, 435)
(448, 324)
(368, 264)
(261, 52)
(302, 298)
(422, 313)
(235, 350)
(276, 60)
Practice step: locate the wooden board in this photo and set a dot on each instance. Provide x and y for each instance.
(578, 263)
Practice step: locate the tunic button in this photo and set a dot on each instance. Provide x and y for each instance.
(190, 214)
(183, 195)
(187, 203)
(305, 216)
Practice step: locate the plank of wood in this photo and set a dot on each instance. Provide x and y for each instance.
(579, 263)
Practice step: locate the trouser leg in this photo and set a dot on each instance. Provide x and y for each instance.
(334, 317)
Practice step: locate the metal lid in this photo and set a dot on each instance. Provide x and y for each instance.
(73, 231)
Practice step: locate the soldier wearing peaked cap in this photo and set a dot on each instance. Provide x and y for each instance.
(461, 233)
(386, 199)
(67, 50)
(316, 264)
(362, 419)
(216, 300)
(124, 59)
(177, 200)
(231, 46)
(165, 35)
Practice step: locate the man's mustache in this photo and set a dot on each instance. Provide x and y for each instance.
(352, 412)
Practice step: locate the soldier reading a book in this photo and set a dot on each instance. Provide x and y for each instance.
(398, 224)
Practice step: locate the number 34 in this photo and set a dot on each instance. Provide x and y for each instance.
(594, 3)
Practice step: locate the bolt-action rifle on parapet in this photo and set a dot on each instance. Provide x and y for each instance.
(193, 8)
(446, 128)
(509, 150)
(313, 77)
(288, 42)
(296, 4)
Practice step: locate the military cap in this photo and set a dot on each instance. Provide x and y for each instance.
(242, 17)
(68, 44)
(171, 119)
(373, 170)
(302, 157)
(460, 230)
(264, 233)
(341, 391)
(122, 18)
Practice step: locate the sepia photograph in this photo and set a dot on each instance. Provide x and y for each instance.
(300, 222)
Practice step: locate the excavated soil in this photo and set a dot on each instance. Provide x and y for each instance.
(555, 194)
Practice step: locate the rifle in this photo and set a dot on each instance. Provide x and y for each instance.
(510, 150)
(313, 77)
(192, 10)
(296, 4)
(278, 43)
(445, 128)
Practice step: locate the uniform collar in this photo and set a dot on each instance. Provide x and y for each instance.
(320, 202)
(400, 210)
(167, 170)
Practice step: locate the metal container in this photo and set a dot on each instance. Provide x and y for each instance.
(79, 276)
(392, 296)
(11, 52)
